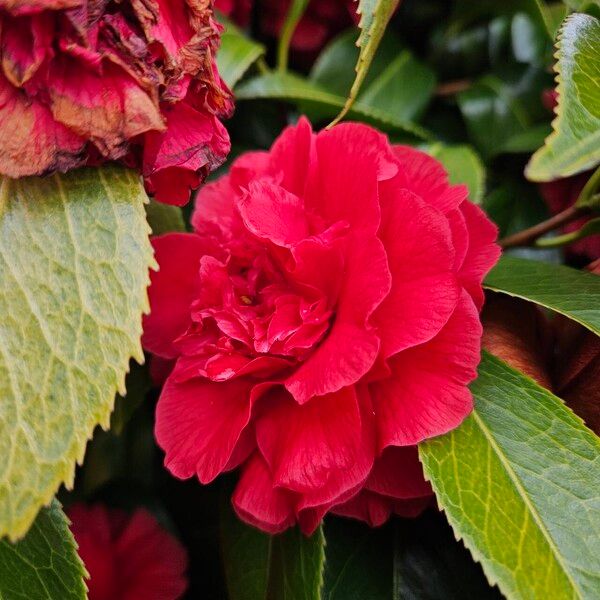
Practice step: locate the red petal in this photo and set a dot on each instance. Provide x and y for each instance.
(424, 291)
(351, 347)
(398, 473)
(258, 503)
(37, 143)
(152, 563)
(425, 176)
(318, 447)
(107, 107)
(292, 156)
(427, 394)
(365, 506)
(270, 212)
(198, 424)
(483, 253)
(172, 289)
(352, 160)
(193, 141)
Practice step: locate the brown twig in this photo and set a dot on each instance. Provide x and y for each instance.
(527, 237)
(449, 88)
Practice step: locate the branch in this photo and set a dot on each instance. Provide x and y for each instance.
(527, 237)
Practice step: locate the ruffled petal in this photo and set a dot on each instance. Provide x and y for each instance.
(483, 253)
(425, 176)
(270, 212)
(427, 394)
(199, 422)
(352, 345)
(172, 290)
(193, 141)
(397, 473)
(258, 502)
(316, 446)
(352, 159)
(424, 291)
(292, 156)
(37, 143)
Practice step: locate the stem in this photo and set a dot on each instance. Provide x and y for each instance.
(587, 195)
(449, 88)
(527, 237)
(294, 14)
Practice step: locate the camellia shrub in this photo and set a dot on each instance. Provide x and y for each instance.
(299, 300)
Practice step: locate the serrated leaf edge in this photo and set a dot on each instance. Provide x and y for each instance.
(66, 475)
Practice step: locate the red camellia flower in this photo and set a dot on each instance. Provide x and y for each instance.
(128, 557)
(82, 82)
(324, 320)
(322, 20)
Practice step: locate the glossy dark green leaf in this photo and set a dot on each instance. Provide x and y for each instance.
(44, 565)
(498, 119)
(293, 88)
(358, 561)
(430, 564)
(573, 293)
(288, 566)
(519, 481)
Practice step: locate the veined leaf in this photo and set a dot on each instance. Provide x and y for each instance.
(288, 566)
(520, 483)
(463, 166)
(74, 258)
(573, 293)
(44, 565)
(374, 17)
(285, 86)
(236, 53)
(574, 145)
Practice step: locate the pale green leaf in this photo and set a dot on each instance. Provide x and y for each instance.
(236, 54)
(74, 258)
(374, 17)
(463, 166)
(573, 293)
(574, 145)
(285, 86)
(44, 565)
(519, 481)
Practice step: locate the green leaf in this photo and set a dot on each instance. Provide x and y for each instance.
(285, 86)
(519, 481)
(574, 145)
(288, 566)
(430, 563)
(374, 17)
(497, 118)
(164, 218)
(74, 258)
(237, 53)
(359, 561)
(463, 165)
(403, 90)
(44, 565)
(573, 293)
